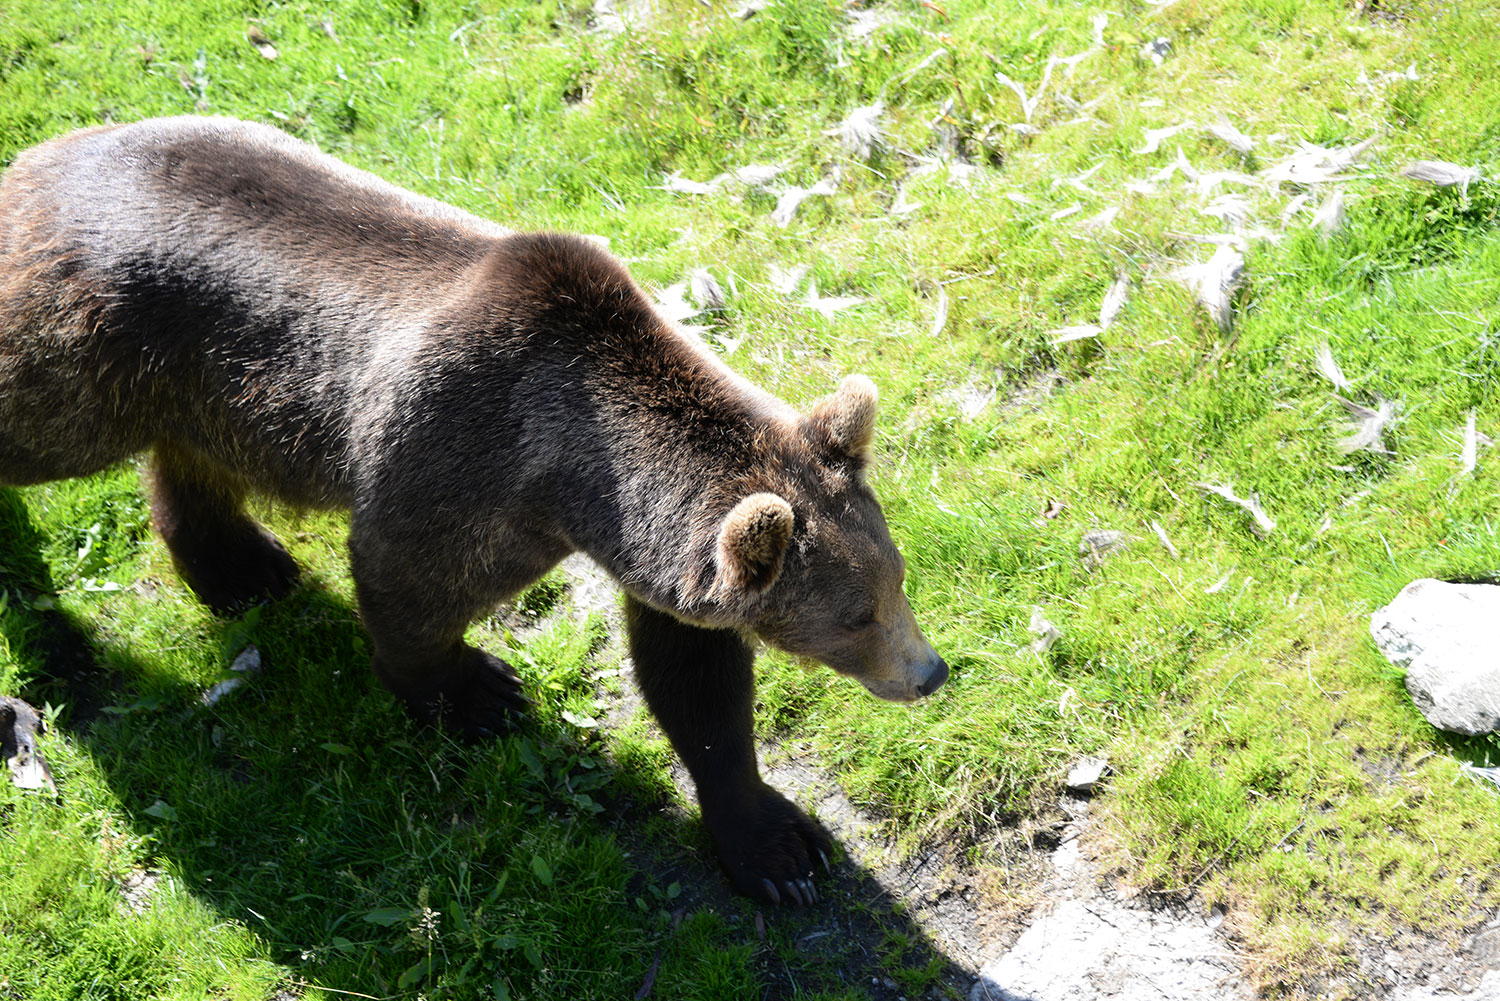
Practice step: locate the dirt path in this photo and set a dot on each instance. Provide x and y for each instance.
(1055, 931)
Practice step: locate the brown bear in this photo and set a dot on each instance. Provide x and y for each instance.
(262, 317)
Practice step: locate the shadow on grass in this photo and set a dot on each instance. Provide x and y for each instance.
(371, 856)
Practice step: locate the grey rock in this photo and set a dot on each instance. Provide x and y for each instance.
(1445, 636)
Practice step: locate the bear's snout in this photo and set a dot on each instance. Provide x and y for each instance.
(937, 673)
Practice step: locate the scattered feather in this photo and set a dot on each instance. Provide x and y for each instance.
(1070, 63)
(1329, 216)
(864, 23)
(973, 400)
(828, 305)
(246, 664)
(1314, 164)
(899, 204)
(20, 725)
(1161, 535)
(1231, 137)
(1218, 585)
(1294, 206)
(1096, 25)
(787, 280)
(1213, 280)
(706, 290)
(1025, 128)
(1154, 137)
(1114, 300)
(1179, 165)
(1100, 221)
(1367, 424)
(1329, 367)
(1263, 525)
(940, 312)
(1045, 632)
(1063, 213)
(754, 175)
(1144, 188)
(927, 61)
(1078, 332)
(860, 133)
(749, 8)
(678, 184)
(1020, 198)
(1208, 180)
(672, 303)
(1478, 774)
(1442, 173)
(1028, 104)
(1232, 209)
(1077, 180)
(1469, 456)
(793, 197)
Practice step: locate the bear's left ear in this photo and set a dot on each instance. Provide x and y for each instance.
(847, 418)
(752, 543)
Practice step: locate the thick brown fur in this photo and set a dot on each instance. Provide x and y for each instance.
(264, 318)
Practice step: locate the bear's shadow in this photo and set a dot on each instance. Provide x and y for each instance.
(301, 801)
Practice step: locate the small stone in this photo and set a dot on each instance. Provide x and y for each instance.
(1443, 634)
(1097, 546)
(1084, 775)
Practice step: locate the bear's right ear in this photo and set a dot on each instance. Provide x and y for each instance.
(753, 539)
(846, 420)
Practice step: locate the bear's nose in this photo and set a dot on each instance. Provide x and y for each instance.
(935, 679)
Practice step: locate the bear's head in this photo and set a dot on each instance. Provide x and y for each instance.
(811, 566)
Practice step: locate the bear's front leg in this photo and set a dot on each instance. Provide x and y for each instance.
(417, 620)
(700, 686)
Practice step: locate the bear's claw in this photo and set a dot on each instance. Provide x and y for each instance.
(769, 848)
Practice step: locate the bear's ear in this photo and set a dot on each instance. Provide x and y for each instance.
(752, 542)
(847, 418)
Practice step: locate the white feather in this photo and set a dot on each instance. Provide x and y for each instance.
(940, 312)
(1161, 533)
(860, 133)
(1077, 332)
(828, 305)
(1063, 213)
(787, 280)
(1096, 25)
(1314, 164)
(1114, 300)
(1232, 209)
(1231, 137)
(793, 197)
(678, 184)
(1213, 280)
(1263, 524)
(1469, 457)
(1154, 137)
(1441, 173)
(1329, 367)
(1329, 216)
(1367, 424)
(1100, 221)
(705, 289)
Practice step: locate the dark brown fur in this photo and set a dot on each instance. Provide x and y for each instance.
(264, 318)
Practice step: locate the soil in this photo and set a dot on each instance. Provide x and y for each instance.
(1028, 916)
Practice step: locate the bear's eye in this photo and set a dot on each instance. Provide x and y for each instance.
(860, 623)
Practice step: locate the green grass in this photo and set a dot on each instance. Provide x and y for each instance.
(1265, 756)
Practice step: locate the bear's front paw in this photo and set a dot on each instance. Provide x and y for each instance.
(768, 847)
(480, 698)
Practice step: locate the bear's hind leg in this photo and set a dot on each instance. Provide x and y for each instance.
(700, 686)
(225, 556)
